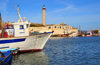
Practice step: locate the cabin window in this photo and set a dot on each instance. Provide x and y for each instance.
(49, 27)
(55, 26)
(60, 27)
(21, 26)
(66, 27)
(27, 25)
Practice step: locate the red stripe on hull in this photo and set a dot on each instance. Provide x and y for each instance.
(33, 50)
(15, 53)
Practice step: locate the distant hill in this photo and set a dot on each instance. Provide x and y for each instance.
(36, 25)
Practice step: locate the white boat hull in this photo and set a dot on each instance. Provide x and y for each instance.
(34, 43)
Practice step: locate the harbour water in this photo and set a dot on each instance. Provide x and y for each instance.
(64, 51)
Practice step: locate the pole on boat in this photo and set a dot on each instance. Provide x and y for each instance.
(2, 26)
(0, 21)
(20, 19)
(79, 29)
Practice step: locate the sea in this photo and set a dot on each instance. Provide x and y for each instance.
(63, 51)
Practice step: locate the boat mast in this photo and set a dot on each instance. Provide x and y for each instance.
(20, 19)
(0, 22)
(2, 26)
(79, 29)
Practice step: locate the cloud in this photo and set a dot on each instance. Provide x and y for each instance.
(64, 9)
(67, 8)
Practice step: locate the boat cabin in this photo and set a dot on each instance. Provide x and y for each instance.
(21, 29)
(18, 29)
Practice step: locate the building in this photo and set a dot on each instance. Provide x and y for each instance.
(59, 29)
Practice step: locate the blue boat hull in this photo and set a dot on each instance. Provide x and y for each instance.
(12, 41)
(7, 59)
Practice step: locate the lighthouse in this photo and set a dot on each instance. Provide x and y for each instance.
(44, 15)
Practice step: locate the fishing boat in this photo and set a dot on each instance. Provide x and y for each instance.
(6, 56)
(16, 35)
(88, 34)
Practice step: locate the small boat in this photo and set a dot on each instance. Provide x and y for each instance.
(63, 35)
(16, 35)
(6, 56)
(88, 34)
(73, 34)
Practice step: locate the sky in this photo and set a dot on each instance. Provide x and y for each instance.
(85, 13)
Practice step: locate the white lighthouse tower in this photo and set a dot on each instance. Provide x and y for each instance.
(44, 15)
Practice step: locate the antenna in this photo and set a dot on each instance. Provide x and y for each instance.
(20, 19)
(17, 8)
(79, 29)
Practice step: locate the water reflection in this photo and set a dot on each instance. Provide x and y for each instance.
(37, 58)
